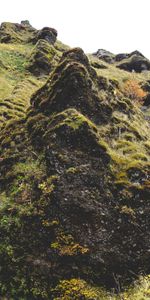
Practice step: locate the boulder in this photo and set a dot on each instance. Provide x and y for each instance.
(121, 56)
(48, 34)
(134, 62)
(146, 86)
(105, 55)
(42, 58)
(26, 23)
(147, 100)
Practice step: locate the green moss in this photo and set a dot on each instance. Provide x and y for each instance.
(123, 105)
(16, 33)
(72, 170)
(28, 168)
(48, 186)
(61, 47)
(128, 211)
(147, 144)
(73, 289)
(139, 291)
(16, 84)
(14, 57)
(73, 119)
(43, 58)
(65, 245)
(140, 156)
(55, 165)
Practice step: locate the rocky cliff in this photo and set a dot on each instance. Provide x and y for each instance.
(74, 171)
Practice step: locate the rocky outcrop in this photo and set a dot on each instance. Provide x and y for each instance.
(135, 62)
(16, 33)
(122, 56)
(47, 34)
(71, 86)
(74, 185)
(146, 86)
(42, 59)
(26, 23)
(105, 55)
(25, 33)
(147, 100)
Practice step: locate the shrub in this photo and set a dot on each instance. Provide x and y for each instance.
(132, 90)
(74, 289)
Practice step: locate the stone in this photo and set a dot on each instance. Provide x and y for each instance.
(134, 62)
(48, 34)
(105, 55)
(42, 59)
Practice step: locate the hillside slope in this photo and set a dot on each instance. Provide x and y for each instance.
(74, 173)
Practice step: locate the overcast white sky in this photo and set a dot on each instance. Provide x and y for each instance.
(114, 25)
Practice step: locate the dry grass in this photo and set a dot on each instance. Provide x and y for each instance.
(114, 73)
(16, 84)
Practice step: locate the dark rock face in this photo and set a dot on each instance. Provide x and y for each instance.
(146, 86)
(122, 56)
(136, 52)
(70, 86)
(26, 23)
(64, 213)
(48, 34)
(42, 59)
(147, 100)
(136, 63)
(105, 55)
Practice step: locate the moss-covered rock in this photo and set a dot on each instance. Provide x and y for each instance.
(16, 33)
(135, 63)
(42, 59)
(74, 180)
(25, 33)
(72, 84)
(47, 34)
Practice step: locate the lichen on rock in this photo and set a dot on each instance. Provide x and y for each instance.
(74, 182)
(42, 59)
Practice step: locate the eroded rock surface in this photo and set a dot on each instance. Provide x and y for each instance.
(74, 186)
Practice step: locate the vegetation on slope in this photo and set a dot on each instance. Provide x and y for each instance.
(24, 66)
(74, 178)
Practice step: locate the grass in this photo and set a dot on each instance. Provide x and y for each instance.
(17, 85)
(61, 47)
(139, 291)
(127, 141)
(5, 87)
(13, 58)
(18, 100)
(111, 72)
(76, 288)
